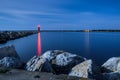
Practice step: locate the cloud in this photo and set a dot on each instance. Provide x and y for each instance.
(26, 12)
(27, 15)
(60, 13)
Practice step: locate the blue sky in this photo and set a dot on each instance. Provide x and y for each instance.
(59, 14)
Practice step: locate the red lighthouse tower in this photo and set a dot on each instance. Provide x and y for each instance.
(38, 28)
(39, 49)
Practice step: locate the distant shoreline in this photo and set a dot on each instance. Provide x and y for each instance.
(15, 34)
(11, 35)
(80, 30)
(101, 30)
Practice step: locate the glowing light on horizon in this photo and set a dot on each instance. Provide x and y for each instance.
(39, 49)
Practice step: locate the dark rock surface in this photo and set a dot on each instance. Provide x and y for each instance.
(11, 35)
(112, 76)
(8, 51)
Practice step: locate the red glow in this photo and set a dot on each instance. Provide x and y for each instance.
(39, 42)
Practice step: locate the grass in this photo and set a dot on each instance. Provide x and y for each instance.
(36, 76)
(3, 70)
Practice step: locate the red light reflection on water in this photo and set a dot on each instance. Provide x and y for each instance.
(39, 42)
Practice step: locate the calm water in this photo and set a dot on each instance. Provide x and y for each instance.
(98, 46)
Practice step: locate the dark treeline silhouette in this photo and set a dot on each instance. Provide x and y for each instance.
(101, 30)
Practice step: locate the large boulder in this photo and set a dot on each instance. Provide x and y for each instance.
(35, 63)
(63, 63)
(64, 59)
(8, 51)
(9, 58)
(55, 61)
(82, 70)
(111, 69)
(86, 69)
(111, 65)
(10, 62)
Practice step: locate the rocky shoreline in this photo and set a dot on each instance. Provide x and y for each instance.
(11, 35)
(58, 65)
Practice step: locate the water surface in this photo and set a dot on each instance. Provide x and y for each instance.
(98, 46)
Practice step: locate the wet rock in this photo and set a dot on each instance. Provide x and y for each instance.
(8, 51)
(55, 61)
(10, 62)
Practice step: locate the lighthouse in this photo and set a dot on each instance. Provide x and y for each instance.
(39, 47)
(38, 28)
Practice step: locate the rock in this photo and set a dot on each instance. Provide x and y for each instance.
(11, 35)
(112, 65)
(49, 55)
(10, 62)
(8, 51)
(64, 58)
(55, 61)
(112, 76)
(82, 70)
(86, 69)
(9, 58)
(63, 63)
(111, 69)
(35, 64)
(47, 67)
